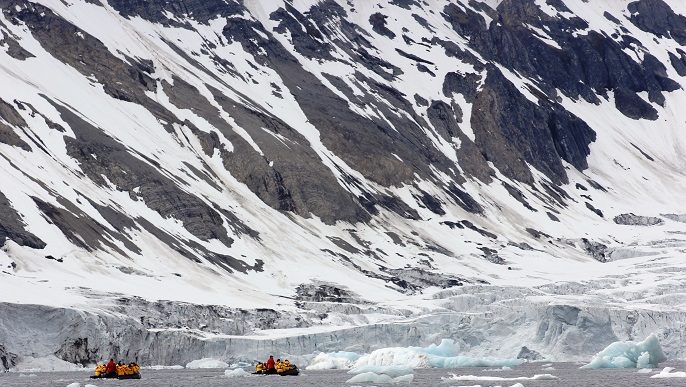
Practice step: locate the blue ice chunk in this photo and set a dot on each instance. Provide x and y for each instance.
(464, 361)
(629, 354)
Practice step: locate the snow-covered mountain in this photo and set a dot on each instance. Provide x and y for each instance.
(224, 178)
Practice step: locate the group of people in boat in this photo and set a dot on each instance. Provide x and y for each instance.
(131, 370)
(277, 366)
(120, 370)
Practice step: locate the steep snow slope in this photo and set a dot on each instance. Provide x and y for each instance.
(185, 178)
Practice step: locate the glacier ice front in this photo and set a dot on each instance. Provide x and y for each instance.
(629, 354)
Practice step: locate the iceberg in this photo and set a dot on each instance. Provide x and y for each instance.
(444, 355)
(333, 361)
(395, 356)
(241, 364)
(236, 373)
(370, 377)
(629, 354)
(403, 379)
(207, 363)
(667, 373)
(45, 364)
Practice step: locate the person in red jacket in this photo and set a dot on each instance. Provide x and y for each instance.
(111, 369)
(270, 366)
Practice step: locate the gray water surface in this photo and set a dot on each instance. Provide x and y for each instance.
(568, 374)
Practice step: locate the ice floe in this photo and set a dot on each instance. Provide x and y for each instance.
(667, 373)
(236, 373)
(497, 378)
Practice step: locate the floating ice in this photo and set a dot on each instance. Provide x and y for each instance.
(163, 367)
(403, 379)
(497, 378)
(627, 354)
(667, 373)
(333, 361)
(31, 364)
(397, 370)
(444, 355)
(394, 356)
(504, 368)
(236, 373)
(371, 377)
(207, 363)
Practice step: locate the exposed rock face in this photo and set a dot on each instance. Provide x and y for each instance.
(595, 249)
(12, 227)
(658, 18)
(529, 355)
(676, 217)
(69, 44)
(378, 22)
(309, 292)
(10, 116)
(585, 66)
(512, 131)
(7, 359)
(447, 122)
(637, 220)
(633, 106)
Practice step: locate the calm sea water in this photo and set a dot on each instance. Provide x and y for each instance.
(568, 374)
